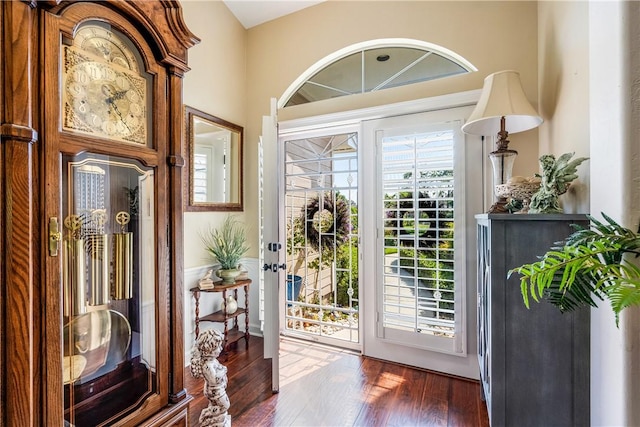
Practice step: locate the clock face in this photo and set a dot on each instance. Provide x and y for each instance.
(104, 94)
(104, 44)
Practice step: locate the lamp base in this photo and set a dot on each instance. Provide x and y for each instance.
(500, 206)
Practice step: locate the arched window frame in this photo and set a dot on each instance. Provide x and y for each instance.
(369, 45)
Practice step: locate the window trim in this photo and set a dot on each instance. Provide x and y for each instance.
(367, 45)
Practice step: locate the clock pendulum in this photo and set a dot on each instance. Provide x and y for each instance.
(98, 248)
(122, 259)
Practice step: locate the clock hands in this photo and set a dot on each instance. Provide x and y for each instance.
(111, 95)
(118, 95)
(115, 108)
(108, 91)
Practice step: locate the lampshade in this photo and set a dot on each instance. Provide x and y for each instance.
(502, 96)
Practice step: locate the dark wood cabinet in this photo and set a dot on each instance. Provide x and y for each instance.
(91, 248)
(534, 363)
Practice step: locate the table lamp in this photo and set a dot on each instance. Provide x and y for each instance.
(502, 108)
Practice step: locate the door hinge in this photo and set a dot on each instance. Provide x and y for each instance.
(274, 247)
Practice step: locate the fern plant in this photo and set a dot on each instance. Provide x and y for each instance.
(593, 263)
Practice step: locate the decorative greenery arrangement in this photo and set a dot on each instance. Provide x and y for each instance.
(226, 244)
(314, 227)
(332, 217)
(593, 262)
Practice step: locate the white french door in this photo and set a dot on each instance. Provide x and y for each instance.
(320, 212)
(420, 181)
(270, 248)
(425, 185)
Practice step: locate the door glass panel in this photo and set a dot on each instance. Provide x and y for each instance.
(418, 246)
(108, 227)
(321, 178)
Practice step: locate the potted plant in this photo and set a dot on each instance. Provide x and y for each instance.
(592, 263)
(227, 245)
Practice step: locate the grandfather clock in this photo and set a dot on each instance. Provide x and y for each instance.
(91, 216)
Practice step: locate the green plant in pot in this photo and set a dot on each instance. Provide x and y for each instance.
(227, 245)
(594, 263)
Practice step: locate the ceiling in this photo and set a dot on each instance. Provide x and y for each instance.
(255, 12)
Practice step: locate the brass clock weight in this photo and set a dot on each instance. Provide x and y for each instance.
(122, 259)
(86, 255)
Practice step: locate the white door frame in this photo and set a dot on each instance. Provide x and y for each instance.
(357, 117)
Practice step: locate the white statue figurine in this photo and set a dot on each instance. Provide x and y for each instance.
(204, 364)
(206, 282)
(555, 180)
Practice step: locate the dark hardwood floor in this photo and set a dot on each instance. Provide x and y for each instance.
(323, 386)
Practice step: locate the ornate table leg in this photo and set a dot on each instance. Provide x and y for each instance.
(196, 294)
(246, 315)
(235, 319)
(226, 319)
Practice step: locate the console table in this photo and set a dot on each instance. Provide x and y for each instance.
(232, 334)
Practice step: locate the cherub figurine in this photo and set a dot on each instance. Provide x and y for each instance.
(556, 177)
(204, 364)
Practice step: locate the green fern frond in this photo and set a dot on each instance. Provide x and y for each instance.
(623, 295)
(590, 265)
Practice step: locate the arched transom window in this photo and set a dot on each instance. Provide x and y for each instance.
(374, 65)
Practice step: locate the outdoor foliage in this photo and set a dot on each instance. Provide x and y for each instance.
(347, 259)
(314, 234)
(422, 228)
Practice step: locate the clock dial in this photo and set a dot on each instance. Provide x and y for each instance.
(104, 94)
(106, 46)
(104, 100)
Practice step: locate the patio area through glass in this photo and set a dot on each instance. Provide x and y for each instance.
(321, 189)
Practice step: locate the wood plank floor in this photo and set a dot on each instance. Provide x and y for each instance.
(323, 386)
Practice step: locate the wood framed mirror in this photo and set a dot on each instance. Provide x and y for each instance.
(214, 163)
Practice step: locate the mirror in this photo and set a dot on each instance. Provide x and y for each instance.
(214, 163)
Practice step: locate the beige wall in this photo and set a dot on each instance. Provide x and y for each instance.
(614, 91)
(563, 71)
(492, 35)
(235, 72)
(216, 84)
(589, 76)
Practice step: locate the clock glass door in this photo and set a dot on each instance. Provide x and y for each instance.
(109, 293)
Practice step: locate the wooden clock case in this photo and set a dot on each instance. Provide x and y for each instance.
(33, 145)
